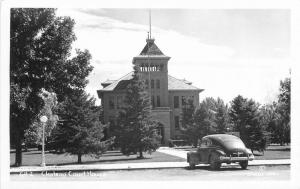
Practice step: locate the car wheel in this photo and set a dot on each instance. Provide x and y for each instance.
(244, 164)
(192, 165)
(214, 161)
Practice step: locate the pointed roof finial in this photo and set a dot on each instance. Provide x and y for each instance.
(149, 23)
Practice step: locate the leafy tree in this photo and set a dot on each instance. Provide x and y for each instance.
(268, 120)
(246, 118)
(82, 131)
(277, 115)
(205, 118)
(40, 45)
(137, 131)
(188, 124)
(33, 135)
(187, 114)
(284, 110)
(199, 122)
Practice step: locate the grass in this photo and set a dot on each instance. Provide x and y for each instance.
(272, 152)
(33, 158)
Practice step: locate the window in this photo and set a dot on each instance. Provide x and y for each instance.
(161, 67)
(157, 83)
(184, 101)
(111, 103)
(152, 101)
(176, 101)
(152, 84)
(111, 120)
(206, 143)
(176, 122)
(147, 83)
(119, 102)
(158, 101)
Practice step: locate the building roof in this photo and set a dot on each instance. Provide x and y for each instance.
(108, 81)
(174, 84)
(151, 48)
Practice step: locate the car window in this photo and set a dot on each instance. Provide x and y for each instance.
(206, 143)
(215, 144)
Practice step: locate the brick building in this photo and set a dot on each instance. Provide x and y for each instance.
(168, 94)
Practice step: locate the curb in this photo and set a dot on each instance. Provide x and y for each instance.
(128, 168)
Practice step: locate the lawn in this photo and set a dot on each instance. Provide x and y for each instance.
(33, 158)
(272, 152)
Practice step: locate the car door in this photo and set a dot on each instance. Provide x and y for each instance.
(204, 150)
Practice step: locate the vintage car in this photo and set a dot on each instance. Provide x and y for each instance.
(220, 148)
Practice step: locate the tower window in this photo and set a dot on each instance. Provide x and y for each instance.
(147, 83)
(176, 101)
(161, 67)
(158, 101)
(152, 84)
(157, 83)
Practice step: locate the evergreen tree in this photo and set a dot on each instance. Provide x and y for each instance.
(137, 131)
(246, 118)
(82, 131)
(40, 45)
(222, 119)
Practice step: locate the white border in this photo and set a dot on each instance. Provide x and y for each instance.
(209, 4)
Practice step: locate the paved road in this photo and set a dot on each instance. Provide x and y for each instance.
(279, 172)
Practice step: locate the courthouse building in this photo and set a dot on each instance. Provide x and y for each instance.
(168, 94)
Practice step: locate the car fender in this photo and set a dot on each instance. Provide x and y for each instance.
(193, 157)
(220, 152)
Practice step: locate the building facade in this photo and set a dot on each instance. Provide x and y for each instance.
(168, 94)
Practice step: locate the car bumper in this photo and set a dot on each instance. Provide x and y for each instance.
(234, 159)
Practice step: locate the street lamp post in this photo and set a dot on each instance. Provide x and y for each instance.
(43, 119)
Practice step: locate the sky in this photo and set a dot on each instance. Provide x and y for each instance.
(226, 52)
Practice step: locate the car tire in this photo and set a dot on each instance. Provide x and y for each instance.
(192, 165)
(214, 161)
(244, 164)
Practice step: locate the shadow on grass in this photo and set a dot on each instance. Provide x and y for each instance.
(37, 152)
(207, 168)
(101, 161)
(282, 149)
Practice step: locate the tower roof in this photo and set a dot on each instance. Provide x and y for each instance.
(151, 48)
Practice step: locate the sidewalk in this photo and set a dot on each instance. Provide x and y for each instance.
(134, 166)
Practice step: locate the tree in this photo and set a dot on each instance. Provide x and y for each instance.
(221, 118)
(33, 135)
(246, 118)
(137, 131)
(40, 45)
(278, 115)
(284, 110)
(82, 131)
(188, 123)
(197, 123)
